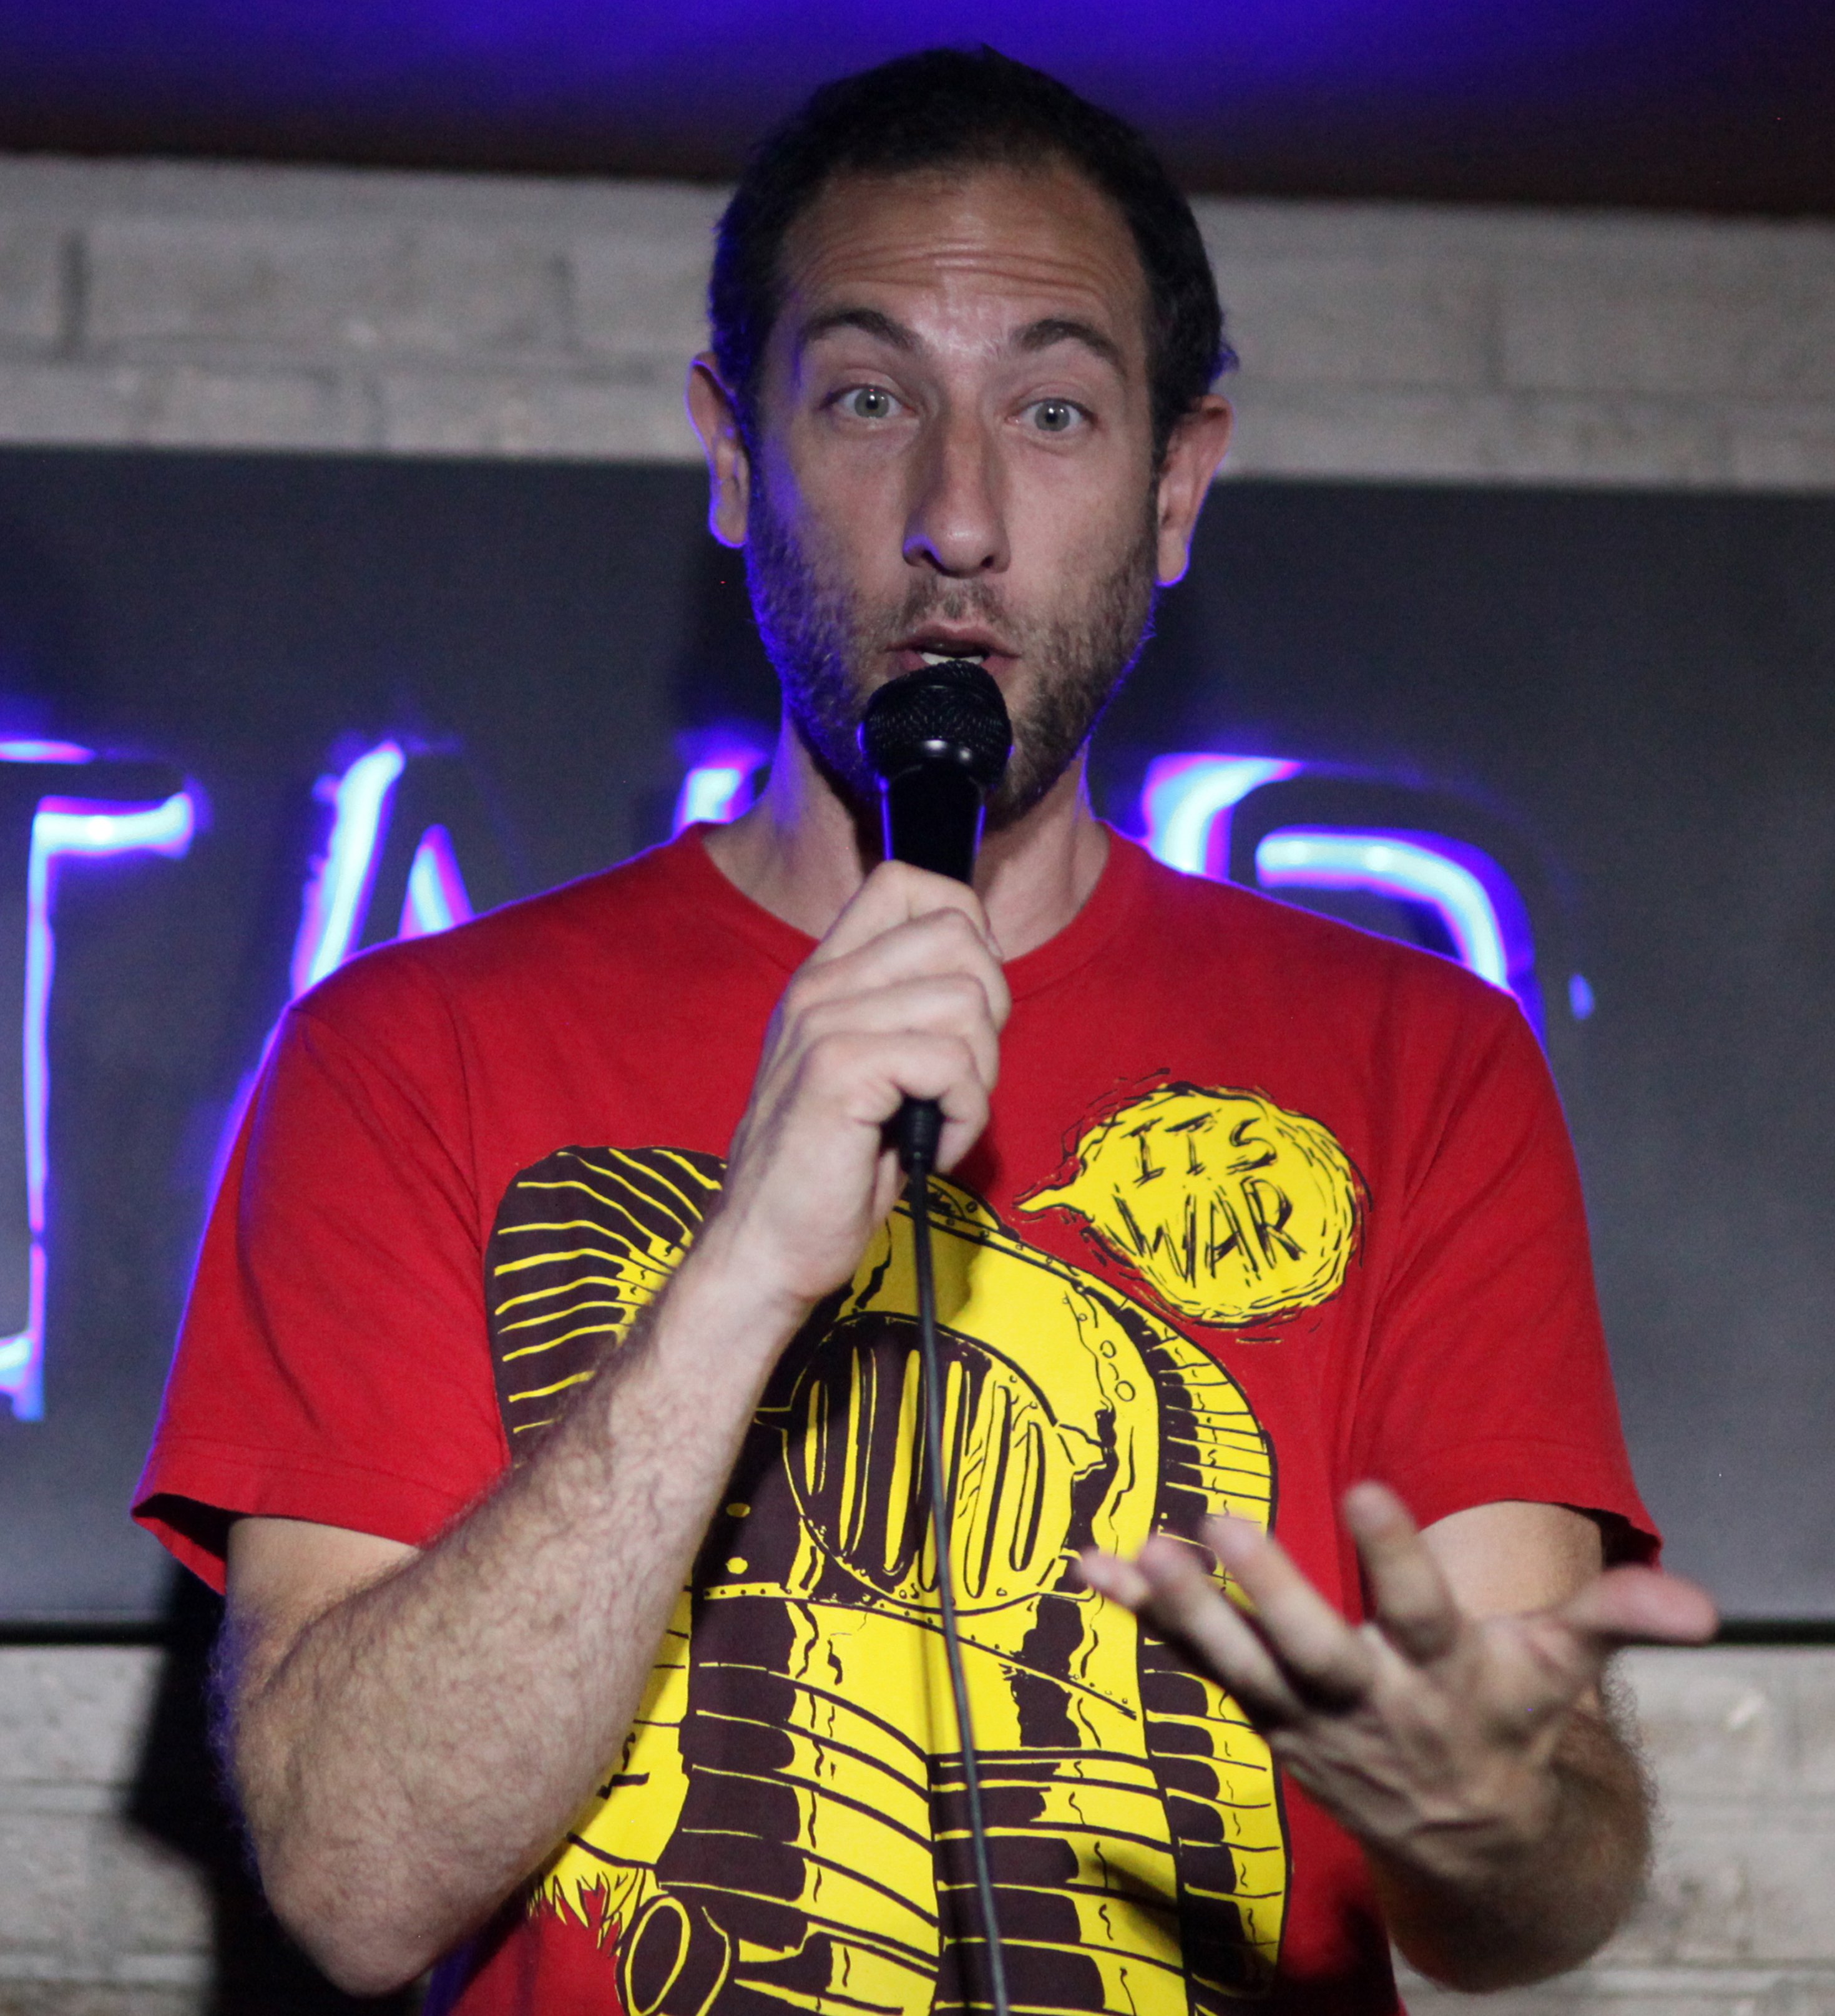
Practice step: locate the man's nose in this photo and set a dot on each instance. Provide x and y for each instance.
(958, 521)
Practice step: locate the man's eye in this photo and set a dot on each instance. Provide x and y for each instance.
(868, 402)
(1056, 416)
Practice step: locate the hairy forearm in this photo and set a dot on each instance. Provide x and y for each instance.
(418, 1749)
(1507, 1910)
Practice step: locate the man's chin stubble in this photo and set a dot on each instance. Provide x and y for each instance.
(814, 642)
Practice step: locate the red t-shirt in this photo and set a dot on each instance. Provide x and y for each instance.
(1265, 1205)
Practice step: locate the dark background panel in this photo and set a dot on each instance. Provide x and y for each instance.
(1644, 687)
(1679, 104)
(257, 623)
(1631, 696)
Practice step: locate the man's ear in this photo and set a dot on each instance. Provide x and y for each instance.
(1197, 445)
(711, 407)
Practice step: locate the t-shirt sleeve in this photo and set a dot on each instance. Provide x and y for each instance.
(333, 1364)
(1487, 1377)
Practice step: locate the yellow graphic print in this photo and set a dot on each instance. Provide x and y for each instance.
(1232, 1209)
(786, 1828)
(594, 1235)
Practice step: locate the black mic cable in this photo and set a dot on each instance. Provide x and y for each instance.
(938, 739)
(943, 1483)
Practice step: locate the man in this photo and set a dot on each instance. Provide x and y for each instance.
(549, 1382)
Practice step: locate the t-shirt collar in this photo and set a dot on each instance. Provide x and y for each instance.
(724, 904)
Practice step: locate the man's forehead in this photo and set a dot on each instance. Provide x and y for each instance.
(1021, 247)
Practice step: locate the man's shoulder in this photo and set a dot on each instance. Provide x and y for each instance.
(1262, 941)
(578, 937)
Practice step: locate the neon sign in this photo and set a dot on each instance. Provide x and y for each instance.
(338, 894)
(63, 829)
(721, 784)
(1187, 804)
(1419, 868)
(343, 880)
(436, 899)
(1186, 801)
(339, 886)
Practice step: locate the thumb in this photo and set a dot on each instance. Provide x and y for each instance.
(1635, 1606)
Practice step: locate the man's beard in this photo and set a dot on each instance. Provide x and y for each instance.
(820, 640)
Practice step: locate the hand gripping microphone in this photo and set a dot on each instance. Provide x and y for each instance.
(937, 739)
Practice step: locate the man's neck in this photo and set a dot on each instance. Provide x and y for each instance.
(797, 853)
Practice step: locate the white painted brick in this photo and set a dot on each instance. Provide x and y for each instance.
(642, 295)
(1738, 1883)
(1720, 1724)
(72, 1714)
(321, 289)
(33, 263)
(82, 1999)
(1241, 230)
(1366, 321)
(76, 404)
(1472, 436)
(191, 406)
(1642, 1991)
(1645, 441)
(1782, 447)
(1284, 431)
(1812, 1763)
(1731, 1723)
(636, 420)
(235, 305)
(1696, 310)
(86, 1894)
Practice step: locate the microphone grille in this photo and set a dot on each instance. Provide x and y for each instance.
(953, 712)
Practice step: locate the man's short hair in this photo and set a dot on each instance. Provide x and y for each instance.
(964, 108)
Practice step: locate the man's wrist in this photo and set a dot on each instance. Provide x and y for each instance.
(722, 1309)
(1536, 1889)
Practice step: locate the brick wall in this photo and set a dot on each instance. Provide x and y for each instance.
(98, 1919)
(231, 307)
(234, 307)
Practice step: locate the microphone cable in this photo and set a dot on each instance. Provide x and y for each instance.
(943, 1485)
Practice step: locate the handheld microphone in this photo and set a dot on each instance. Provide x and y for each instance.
(937, 739)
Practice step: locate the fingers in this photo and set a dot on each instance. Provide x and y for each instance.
(905, 989)
(1165, 1587)
(895, 894)
(1410, 1599)
(1637, 1605)
(855, 1076)
(1326, 1660)
(1294, 1656)
(949, 1006)
(904, 998)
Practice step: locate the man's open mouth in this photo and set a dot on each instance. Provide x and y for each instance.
(935, 648)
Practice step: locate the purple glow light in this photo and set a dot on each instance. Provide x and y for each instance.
(337, 897)
(1186, 802)
(720, 787)
(436, 897)
(338, 894)
(1469, 893)
(87, 828)
(23, 749)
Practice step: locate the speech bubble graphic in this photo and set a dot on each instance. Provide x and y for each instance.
(1231, 1208)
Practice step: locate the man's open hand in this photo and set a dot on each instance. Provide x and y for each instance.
(1430, 1734)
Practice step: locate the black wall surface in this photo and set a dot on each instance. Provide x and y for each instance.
(1631, 699)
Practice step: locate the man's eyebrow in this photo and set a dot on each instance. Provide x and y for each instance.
(869, 320)
(1065, 329)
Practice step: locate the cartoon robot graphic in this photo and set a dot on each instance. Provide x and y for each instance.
(786, 1828)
